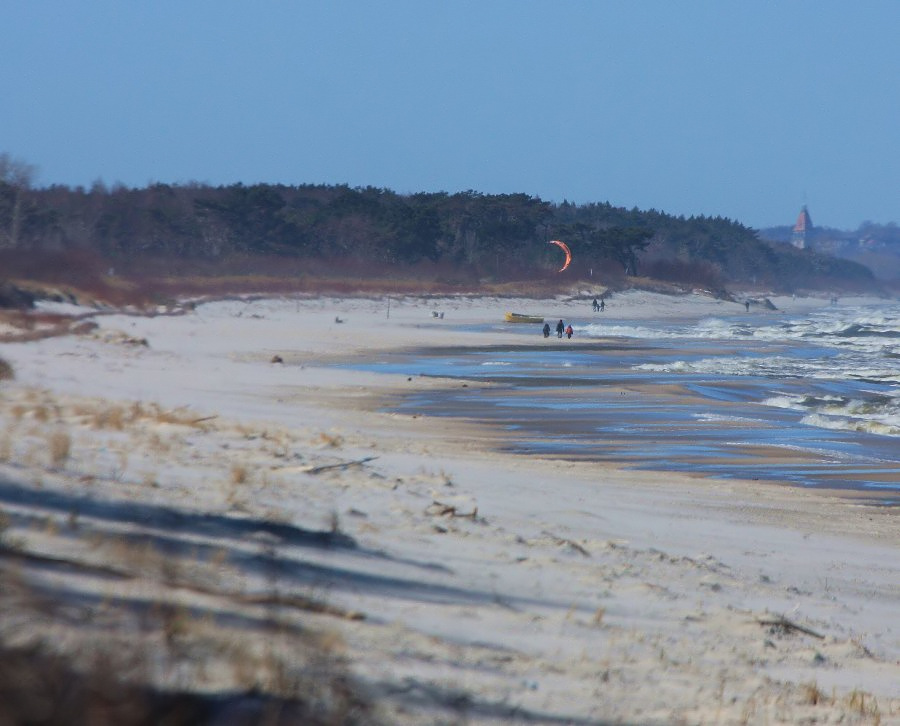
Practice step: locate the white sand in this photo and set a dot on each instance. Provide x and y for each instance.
(494, 588)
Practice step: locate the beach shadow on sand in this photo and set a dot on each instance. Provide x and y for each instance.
(65, 589)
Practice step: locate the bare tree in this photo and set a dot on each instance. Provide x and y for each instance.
(16, 177)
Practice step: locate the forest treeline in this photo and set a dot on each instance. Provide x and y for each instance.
(474, 235)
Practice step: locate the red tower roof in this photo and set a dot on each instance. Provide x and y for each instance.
(804, 223)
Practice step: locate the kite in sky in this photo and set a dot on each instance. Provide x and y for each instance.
(565, 248)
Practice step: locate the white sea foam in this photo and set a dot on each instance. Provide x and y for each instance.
(862, 328)
(787, 401)
(721, 418)
(879, 414)
(848, 423)
(832, 345)
(772, 366)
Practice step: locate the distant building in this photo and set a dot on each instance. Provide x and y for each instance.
(802, 230)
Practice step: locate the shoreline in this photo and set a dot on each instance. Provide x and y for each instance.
(493, 587)
(622, 418)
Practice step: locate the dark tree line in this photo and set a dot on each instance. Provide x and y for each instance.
(499, 235)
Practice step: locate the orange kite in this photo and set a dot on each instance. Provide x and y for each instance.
(565, 248)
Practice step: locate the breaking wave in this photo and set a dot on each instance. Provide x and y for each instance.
(851, 345)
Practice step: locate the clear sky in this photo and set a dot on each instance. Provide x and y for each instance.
(745, 109)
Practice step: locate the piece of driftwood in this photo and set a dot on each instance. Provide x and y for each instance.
(783, 622)
(342, 465)
(439, 509)
(568, 543)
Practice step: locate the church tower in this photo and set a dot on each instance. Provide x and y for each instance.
(802, 229)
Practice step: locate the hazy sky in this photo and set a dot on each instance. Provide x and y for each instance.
(742, 109)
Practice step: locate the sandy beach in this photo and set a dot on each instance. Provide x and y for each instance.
(211, 491)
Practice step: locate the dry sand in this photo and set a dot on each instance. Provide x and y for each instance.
(241, 523)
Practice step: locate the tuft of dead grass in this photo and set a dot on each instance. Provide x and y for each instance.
(5, 523)
(6, 445)
(331, 440)
(6, 371)
(864, 704)
(239, 474)
(811, 694)
(59, 445)
(109, 417)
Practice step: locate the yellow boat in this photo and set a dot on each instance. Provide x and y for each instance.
(519, 318)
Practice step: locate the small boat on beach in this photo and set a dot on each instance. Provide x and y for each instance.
(519, 318)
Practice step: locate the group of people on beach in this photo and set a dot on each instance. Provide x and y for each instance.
(561, 328)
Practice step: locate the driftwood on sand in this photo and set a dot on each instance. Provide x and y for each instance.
(341, 465)
(783, 622)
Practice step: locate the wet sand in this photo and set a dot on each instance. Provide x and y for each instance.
(590, 404)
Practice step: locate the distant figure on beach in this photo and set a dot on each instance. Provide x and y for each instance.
(595, 306)
(546, 330)
(559, 329)
(569, 331)
(747, 305)
(602, 305)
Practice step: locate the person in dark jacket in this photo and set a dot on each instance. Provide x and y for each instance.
(560, 327)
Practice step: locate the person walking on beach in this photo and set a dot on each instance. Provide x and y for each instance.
(595, 306)
(559, 329)
(546, 330)
(602, 305)
(569, 331)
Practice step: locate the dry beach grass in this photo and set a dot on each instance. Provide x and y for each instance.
(234, 538)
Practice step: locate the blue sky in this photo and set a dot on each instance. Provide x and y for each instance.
(742, 109)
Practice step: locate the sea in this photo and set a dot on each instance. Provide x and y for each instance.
(809, 400)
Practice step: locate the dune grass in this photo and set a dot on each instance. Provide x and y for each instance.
(173, 634)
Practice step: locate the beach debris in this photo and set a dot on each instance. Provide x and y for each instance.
(341, 465)
(439, 509)
(563, 542)
(277, 359)
(764, 303)
(337, 319)
(781, 624)
(119, 337)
